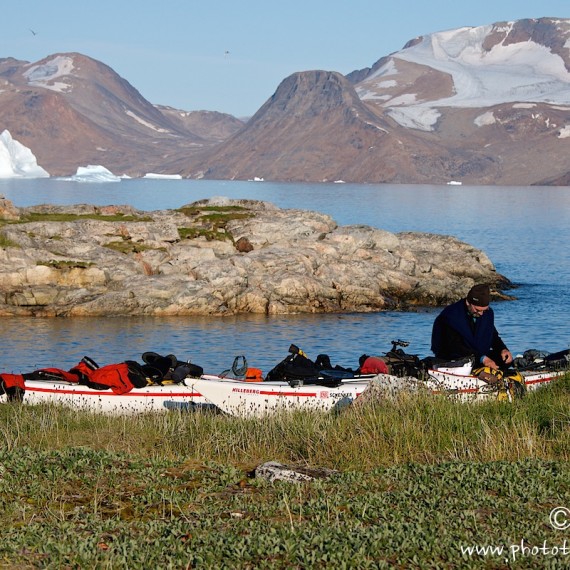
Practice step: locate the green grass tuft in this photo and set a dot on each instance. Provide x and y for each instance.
(66, 264)
(127, 246)
(7, 242)
(63, 217)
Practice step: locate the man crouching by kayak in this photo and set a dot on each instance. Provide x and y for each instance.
(467, 328)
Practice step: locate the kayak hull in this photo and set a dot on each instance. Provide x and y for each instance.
(149, 399)
(461, 384)
(239, 398)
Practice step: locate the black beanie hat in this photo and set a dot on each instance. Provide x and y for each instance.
(479, 295)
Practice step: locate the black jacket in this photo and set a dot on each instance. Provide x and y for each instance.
(457, 334)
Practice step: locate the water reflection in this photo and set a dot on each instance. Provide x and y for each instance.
(210, 342)
(214, 342)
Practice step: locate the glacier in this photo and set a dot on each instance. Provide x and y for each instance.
(507, 73)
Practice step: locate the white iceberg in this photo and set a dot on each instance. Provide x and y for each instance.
(163, 176)
(94, 173)
(17, 160)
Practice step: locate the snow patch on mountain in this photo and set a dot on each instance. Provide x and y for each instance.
(487, 118)
(44, 74)
(145, 123)
(415, 117)
(389, 68)
(17, 160)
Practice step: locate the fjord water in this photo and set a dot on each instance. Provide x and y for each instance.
(524, 230)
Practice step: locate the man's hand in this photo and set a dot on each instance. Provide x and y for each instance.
(489, 363)
(506, 356)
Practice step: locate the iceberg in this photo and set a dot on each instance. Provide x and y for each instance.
(94, 173)
(163, 176)
(17, 160)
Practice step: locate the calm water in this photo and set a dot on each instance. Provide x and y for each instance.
(525, 231)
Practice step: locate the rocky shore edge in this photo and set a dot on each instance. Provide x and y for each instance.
(222, 256)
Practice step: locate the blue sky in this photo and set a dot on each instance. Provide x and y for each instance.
(175, 51)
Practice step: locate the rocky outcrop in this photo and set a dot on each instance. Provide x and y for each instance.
(221, 257)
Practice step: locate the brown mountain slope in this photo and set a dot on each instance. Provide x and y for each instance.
(314, 128)
(209, 125)
(71, 110)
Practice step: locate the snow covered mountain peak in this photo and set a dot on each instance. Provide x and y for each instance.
(526, 61)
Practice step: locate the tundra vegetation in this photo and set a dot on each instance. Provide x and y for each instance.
(417, 481)
(210, 221)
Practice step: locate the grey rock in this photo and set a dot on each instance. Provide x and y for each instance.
(275, 471)
(117, 260)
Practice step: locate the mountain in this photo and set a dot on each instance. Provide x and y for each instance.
(71, 110)
(211, 126)
(496, 97)
(313, 128)
(479, 105)
(484, 105)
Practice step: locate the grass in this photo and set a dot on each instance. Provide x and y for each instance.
(63, 217)
(65, 264)
(418, 479)
(127, 246)
(192, 211)
(7, 242)
(210, 221)
(209, 234)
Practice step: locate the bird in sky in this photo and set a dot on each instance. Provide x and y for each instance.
(33, 33)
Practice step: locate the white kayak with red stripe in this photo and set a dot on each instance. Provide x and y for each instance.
(149, 399)
(461, 383)
(240, 398)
